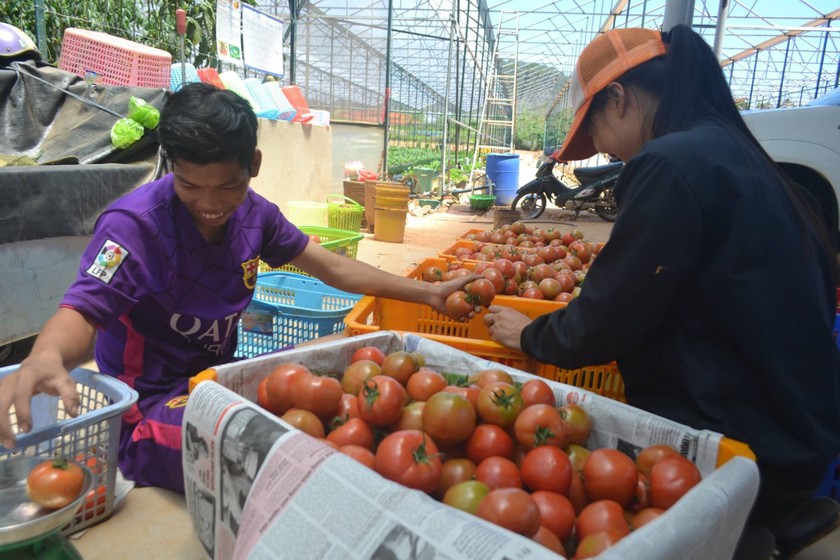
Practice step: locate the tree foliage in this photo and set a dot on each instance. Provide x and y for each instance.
(150, 22)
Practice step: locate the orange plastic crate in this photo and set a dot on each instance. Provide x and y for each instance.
(114, 60)
(470, 232)
(373, 314)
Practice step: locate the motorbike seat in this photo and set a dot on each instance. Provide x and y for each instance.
(597, 171)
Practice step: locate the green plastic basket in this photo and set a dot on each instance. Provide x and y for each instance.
(344, 213)
(336, 240)
(482, 201)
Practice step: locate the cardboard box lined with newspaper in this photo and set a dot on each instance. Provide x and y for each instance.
(258, 488)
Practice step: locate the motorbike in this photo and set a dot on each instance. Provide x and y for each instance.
(595, 193)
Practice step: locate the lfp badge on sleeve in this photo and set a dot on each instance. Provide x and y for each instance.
(108, 261)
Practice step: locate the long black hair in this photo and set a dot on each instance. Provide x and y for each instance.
(201, 124)
(690, 86)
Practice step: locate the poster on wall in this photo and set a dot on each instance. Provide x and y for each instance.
(262, 41)
(228, 34)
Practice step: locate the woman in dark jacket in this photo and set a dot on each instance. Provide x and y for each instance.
(716, 293)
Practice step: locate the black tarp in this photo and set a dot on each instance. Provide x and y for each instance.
(63, 123)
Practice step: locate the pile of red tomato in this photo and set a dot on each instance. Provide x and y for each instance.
(484, 444)
(520, 260)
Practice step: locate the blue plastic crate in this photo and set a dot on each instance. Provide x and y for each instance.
(92, 437)
(289, 308)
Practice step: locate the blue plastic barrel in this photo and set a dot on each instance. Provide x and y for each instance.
(503, 170)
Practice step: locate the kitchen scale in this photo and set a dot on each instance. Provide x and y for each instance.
(27, 530)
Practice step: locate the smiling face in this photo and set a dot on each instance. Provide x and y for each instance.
(211, 192)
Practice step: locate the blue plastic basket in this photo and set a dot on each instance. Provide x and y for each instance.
(92, 437)
(289, 308)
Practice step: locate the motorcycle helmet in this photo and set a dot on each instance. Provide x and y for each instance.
(16, 45)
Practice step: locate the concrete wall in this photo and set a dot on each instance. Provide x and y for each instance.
(296, 163)
(304, 162)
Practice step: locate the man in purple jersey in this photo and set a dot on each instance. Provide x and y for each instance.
(169, 271)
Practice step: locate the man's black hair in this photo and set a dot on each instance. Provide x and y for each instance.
(201, 124)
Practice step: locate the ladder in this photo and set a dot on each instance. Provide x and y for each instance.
(497, 121)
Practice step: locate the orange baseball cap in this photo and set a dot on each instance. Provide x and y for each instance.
(605, 59)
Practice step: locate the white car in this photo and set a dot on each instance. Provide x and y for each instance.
(805, 142)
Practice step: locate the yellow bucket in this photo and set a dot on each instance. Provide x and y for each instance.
(306, 213)
(390, 225)
(392, 196)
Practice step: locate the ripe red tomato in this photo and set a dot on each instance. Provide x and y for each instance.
(644, 517)
(277, 387)
(593, 545)
(609, 474)
(305, 421)
(579, 422)
(540, 424)
(602, 515)
(532, 293)
(348, 407)
(432, 274)
(670, 478)
(95, 501)
(424, 383)
(458, 306)
(381, 400)
(471, 392)
(448, 418)
(356, 373)
(537, 391)
(411, 417)
(482, 290)
(362, 454)
(466, 495)
(488, 440)
(641, 499)
(320, 394)
(452, 472)
(577, 495)
(485, 377)
(55, 483)
(650, 455)
(495, 276)
(410, 457)
(371, 353)
(354, 431)
(547, 468)
(511, 508)
(499, 403)
(498, 472)
(549, 540)
(400, 365)
(557, 513)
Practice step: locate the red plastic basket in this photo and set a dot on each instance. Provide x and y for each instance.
(210, 76)
(114, 60)
(295, 97)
